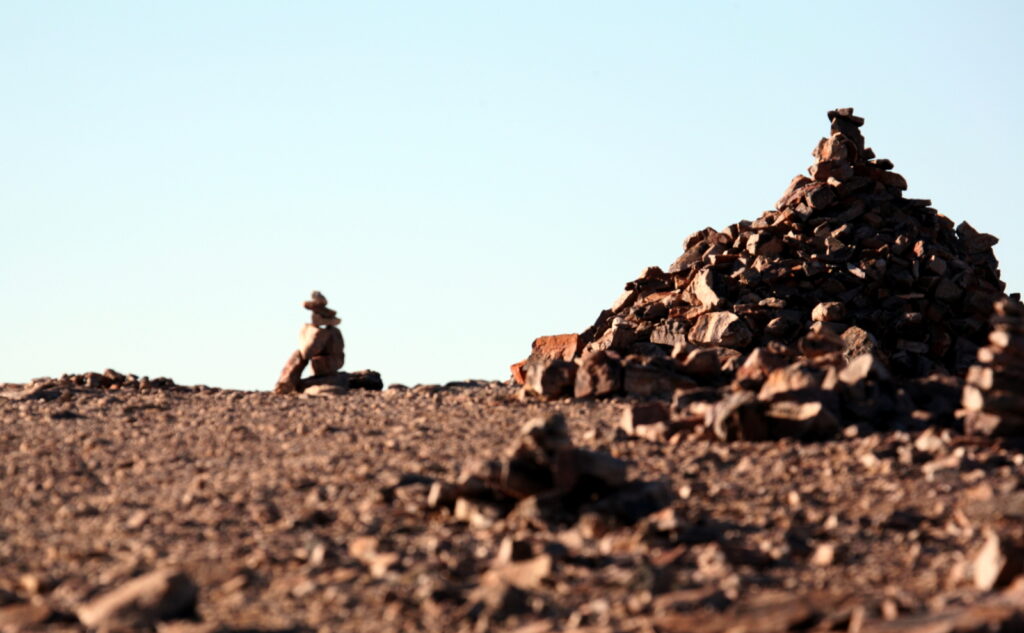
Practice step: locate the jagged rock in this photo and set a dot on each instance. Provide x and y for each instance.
(642, 414)
(645, 377)
(857, 341)
(710, 362)
(671, 332)
(550, 379)
(557, 347)
(723, 329)
(289, 380)
(599, 374)
(738, 416)
(562, 347)
(863, 367)
(829, 311)
(702, 289)
(808, 420)
(797, 377)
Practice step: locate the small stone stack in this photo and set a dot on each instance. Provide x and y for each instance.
(320, 345)
(993, 398)
(843, 267)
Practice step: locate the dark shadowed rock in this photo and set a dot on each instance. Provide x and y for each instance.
(365, 379)
(599, 375)
(738, 416)
(550, 379)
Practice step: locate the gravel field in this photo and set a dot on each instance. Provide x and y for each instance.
(298, 513)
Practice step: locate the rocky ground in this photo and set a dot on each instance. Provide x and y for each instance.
(298, 513)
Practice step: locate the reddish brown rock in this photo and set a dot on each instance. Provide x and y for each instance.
(723, 329)
(320, 320)
(560, 346)
(702, 289)
(556, 347)
(829, 311)
(325, 364)
(289, 379)
(312, 340)
(599, 375)
(335, 343)
(738, 416)
(518, 371)
(645, 377)
(807, 420)
(641, 414)
(550, 379)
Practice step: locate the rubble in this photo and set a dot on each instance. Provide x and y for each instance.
(544, 476)
(108, 380)
(845, 270)
(322, 347)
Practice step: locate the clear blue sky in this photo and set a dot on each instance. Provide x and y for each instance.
(457, 177)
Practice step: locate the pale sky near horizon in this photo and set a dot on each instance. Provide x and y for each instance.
(457, 177)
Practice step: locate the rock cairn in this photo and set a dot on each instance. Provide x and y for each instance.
(544, 476)
(320, 345)
(992, 400)
(844, 283)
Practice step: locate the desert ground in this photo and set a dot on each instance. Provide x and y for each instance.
(312, 513)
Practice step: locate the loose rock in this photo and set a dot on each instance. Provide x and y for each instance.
(142, 602)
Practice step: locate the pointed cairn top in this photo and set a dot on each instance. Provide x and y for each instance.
(322, 315)
(843, 167)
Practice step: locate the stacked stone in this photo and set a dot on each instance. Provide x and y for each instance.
(992, 399)
(844, 266)
(320, 345)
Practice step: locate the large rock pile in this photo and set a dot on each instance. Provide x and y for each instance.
(843, 268)
(322, 346)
